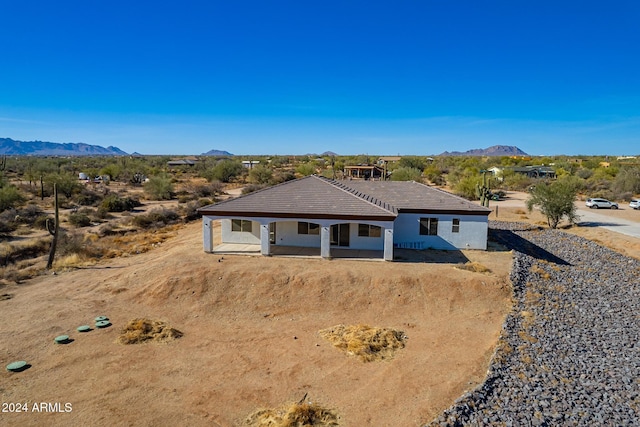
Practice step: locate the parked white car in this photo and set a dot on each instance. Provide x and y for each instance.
(634, 204)
(601, 204)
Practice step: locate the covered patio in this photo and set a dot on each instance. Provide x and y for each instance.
(296, 251)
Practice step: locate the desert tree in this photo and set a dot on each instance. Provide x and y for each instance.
(159, 188)
(406, 174)
(555, 201)
(260, 174)
(224, 171)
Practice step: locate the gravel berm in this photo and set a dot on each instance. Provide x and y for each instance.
(568, 354)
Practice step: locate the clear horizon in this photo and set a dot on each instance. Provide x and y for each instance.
(292, 78)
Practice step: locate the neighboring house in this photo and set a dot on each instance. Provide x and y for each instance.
(535, 171)
(178, 163)
(368, 215)
(249, 164)
(385, 160)
(364, 171)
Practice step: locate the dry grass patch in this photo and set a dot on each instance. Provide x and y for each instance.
(143, 330)
(540, 272)
(296, 415)
(474, 266)
(366, 342)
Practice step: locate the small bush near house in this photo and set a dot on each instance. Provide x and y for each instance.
(145, 330)
(366, 342)
(296, 415)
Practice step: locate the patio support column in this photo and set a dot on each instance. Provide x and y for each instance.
(207, 234)
(265, 244)
(388, 244)
(325, 241)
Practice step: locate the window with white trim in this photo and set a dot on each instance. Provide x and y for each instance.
(367, 230)
(242, 225)
(428, 226)
(455, 225)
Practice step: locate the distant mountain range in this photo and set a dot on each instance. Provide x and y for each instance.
(215, 152)
(41, 148)
(496, 150)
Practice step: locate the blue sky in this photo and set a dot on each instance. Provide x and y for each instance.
(295, 77)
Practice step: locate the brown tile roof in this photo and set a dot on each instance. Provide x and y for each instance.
(317, 197)
(415, 197)
(310, 197)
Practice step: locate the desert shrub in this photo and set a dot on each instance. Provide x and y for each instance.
(7, 227)
(79, 219)
(466, 187)
(283, 176)
(412, 162)
(115, 203)
(184, 198)
(366, 342)
(296, 415)
(12, 252)
(584, 173)
(87, 197)
(10, 197)
(306, 169)
(224, 171)
(260, 174)
(407, 174)
(627, 181)
(156, 218)
(555, 201)
(40, 222)
(190, 211)
(30, 213)
(474, 266)
(65, 183)
(142, 330)
(159, 188)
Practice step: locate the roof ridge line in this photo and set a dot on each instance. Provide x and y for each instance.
(344, 187)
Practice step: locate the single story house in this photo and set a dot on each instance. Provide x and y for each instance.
(364, 171)
(182, 162)
(365, 215)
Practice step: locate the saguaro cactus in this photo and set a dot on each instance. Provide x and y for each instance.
(53, 228)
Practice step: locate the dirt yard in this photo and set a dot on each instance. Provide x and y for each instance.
(251, 339)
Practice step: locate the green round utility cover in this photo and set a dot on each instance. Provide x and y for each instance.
(103, 324)
(101, 318)
(16, 366)
(62, 339)
(83, 328)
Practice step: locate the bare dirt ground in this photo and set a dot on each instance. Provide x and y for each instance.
(250, 339)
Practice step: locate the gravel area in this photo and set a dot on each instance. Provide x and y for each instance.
(569, 353)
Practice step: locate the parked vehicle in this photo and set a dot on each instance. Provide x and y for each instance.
(634, 204)
(601, 204)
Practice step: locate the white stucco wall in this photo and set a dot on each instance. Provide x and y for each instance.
(287, 235)
(472, 234)
(228, 236)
